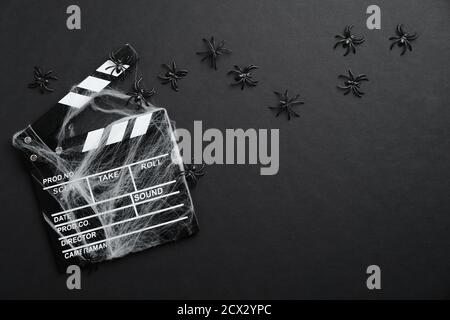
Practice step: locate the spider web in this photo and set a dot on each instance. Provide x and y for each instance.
(118, 220)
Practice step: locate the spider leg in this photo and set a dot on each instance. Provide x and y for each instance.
(136, 85)
(347, 30)
(343, 87)
(193, 181)
(251, 67)
(252, 82)
(358, 40)
(199, 174)
(235, 72)
(129, 99)
(150, 93)
(278, 95)
(174, 66)
(47, 88)
(238, 69)
(350, 73)
(37, 71)
(343, 77)
(201, 171)
(359, 92)
(355, 92)
(361, 77)
(394, 43)
(174, 85)
(288, 113)
(353, 48)
(181, 73)
(115, 69)
(347, 51)
(294, 113)
(338, 36)
(413, 36)
(165, 65)
(163, 77)
(275, 108)
(347, 89)
(209, 44)
(238, 82)
(404, 50)
(225, 50)
(408, 45)
(242, 84)
(338, 43)
(400, 30)
(205, 57)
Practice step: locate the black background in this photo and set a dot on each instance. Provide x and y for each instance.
(361, 181)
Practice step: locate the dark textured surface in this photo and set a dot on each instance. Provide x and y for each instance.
(361, 181)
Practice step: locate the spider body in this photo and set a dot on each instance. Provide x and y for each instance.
(403, 39)
(348, 40)
(214, 51)
(243, 76)
(42, 80)
(120, 64)
(286, 104)
(172, 75)
(352, 83)
(140, 95)
(193, 173)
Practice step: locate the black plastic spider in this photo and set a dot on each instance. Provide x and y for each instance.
(348, 40)
(193, 173)
(214, 51)
(139, 94)
(42, 80)
(403, 39)
(352, 83)
(243, 76)
(121, 64)
(285, 104)
(172, 75)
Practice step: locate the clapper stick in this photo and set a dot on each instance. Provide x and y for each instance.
(113, 185)
(47, 126)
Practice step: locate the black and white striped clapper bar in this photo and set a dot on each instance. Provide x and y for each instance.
(107, 184)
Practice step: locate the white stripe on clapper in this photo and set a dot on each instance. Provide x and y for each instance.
(75, 100)
(93, 84)
(117, 132)
(141, 125)
(93, 140)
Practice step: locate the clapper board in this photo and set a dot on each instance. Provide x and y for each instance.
(108, 183)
